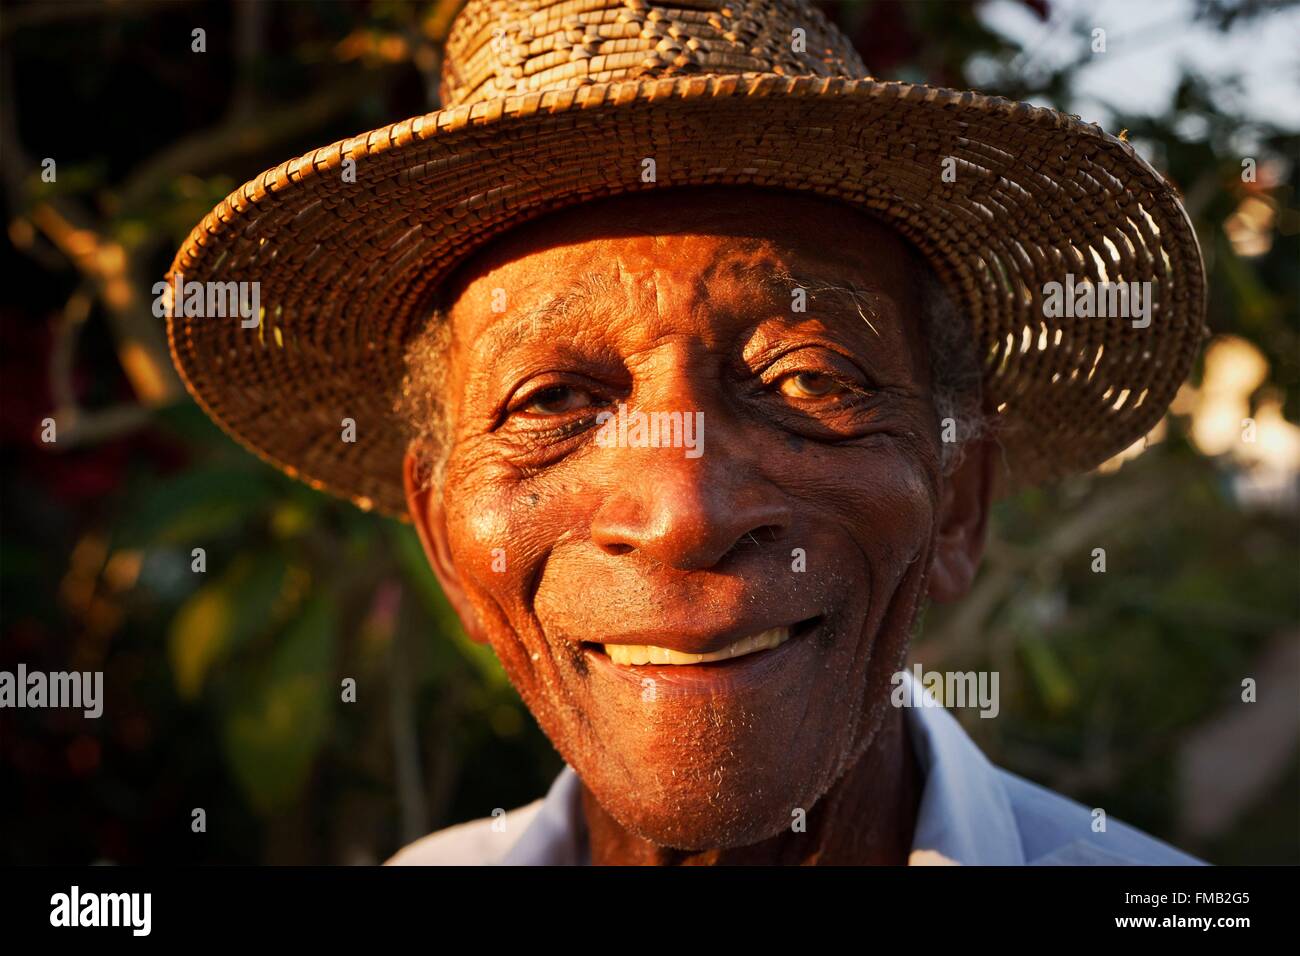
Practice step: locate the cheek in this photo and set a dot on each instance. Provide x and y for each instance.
(897, 532)
(893, 524)
(502, 529)
(480, 532)
(881, 497)
(879, 504)
(487, 535)
(897, 506)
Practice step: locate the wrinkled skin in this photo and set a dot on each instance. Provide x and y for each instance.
(820, 434)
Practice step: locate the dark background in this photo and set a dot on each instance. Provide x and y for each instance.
(1121, 689)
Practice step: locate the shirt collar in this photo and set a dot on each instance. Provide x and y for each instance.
(964, 816)
(557, 835)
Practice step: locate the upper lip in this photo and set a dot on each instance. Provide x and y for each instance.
(699, 641)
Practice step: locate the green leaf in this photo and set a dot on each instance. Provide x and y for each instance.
(1050, 678)
(190, 510)
(275, 728)
(223, 615)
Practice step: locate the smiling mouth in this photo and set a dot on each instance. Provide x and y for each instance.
(638, 654)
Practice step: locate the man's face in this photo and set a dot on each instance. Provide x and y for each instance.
(813, 508)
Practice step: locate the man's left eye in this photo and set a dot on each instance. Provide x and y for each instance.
(809, 385)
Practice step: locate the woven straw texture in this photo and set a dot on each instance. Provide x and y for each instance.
(554, 102)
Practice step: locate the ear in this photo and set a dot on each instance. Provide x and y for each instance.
(963, 523)
(424, 504)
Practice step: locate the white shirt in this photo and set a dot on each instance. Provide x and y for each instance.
(971, 813)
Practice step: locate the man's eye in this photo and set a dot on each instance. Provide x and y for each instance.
(809, 385)
(558, 399)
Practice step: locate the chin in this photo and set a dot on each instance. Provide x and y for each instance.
(748, 812)
(728, 755)
(717, 794)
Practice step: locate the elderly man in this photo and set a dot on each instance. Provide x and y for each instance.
(696, 357)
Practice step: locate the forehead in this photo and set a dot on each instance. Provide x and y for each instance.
(723, 233)
(675, 247)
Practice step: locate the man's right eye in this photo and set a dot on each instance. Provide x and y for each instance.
(557, 400)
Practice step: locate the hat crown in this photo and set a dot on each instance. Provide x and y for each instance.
(500, 48)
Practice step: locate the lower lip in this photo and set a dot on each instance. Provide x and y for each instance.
(713, 676)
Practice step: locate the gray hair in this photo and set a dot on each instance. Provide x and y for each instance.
(956, 378)
(956, 381)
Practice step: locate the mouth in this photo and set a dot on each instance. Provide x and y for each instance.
(633, 655)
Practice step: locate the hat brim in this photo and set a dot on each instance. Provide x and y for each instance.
(347, 269)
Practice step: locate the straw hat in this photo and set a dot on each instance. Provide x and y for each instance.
(553, 102)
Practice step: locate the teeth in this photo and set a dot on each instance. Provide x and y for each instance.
(650, 654)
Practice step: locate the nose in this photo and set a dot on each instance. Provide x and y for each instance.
(689, 514)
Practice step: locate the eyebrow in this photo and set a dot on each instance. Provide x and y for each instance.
(573, 299)
(578, 296)
(867, 302)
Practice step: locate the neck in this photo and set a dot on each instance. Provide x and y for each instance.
(866, 818)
